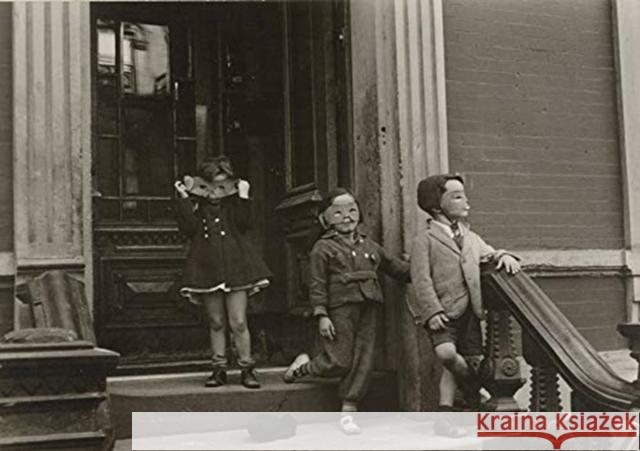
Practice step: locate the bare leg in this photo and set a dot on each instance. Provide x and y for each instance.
(454, 366)
(236, 303)
(214, 304)
(447, 388)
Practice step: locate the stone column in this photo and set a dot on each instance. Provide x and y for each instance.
(400, 109)
(52, 136)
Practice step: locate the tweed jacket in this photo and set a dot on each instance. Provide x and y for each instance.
(445, 278)
(344, 272)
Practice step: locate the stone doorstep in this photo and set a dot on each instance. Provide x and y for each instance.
(186, 392)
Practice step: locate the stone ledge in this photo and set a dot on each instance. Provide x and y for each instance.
(178, 393)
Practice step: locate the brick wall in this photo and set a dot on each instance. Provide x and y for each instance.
(532, 120)
(594, 305)
(6, 130)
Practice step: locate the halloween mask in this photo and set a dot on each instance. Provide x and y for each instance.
(197, 186)
(343, 214)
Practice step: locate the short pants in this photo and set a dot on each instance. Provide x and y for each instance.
(464, 332)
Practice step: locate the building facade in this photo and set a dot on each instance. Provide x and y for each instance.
(105, 105)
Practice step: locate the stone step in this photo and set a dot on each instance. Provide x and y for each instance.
(186, 392)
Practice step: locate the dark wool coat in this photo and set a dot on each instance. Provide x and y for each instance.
(343, 272)
(221, 250)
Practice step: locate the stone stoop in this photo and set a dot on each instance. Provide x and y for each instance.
(186, 392)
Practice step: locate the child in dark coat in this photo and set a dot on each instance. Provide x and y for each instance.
(345, 294)
(445, 270)
(222, 268)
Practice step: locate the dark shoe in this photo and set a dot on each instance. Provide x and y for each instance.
(217, 378)
(248, 378)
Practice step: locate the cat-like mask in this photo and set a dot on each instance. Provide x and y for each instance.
(197, 186)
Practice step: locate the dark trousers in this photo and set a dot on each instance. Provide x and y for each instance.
(350, 354)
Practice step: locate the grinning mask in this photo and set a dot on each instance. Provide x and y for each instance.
(343, 214)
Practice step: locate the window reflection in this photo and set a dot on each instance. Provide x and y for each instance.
(106, 49)
(145, 59)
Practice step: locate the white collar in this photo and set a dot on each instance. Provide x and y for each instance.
(447, 227)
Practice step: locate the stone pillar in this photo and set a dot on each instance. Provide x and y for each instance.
(399, 107)
(52, 136)
(627, 41)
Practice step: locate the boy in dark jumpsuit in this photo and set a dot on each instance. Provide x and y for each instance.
(345, 294)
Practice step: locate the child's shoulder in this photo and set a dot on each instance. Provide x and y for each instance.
(321, 244)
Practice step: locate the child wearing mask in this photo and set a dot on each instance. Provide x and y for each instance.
(346, 296)
(445, 270)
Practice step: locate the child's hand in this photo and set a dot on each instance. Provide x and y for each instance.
(181, 189)
(510, 264)
(326, 328)
(243, 189)
(438, 321)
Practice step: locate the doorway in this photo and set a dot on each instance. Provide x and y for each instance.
(264, 83)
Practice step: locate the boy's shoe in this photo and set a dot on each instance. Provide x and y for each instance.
(249, 378)
(217, 378)
(348, 425)
(290, 375)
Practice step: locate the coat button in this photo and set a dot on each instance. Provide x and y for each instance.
(204, 221)
(217, 220)
(353, 253)
(223, 233)
(366, 255)
(206, 235)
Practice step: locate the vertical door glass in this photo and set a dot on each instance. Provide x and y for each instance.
(147, 148)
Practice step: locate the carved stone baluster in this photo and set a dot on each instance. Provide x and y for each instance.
(545, 391)
(500, 369)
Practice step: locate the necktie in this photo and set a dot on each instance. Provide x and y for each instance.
(457, 234)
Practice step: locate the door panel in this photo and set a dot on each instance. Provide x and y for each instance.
(144, 139)
(314, 125)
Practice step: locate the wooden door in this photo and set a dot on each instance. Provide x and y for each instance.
(284, 121)
(144, 139)
(268, 88)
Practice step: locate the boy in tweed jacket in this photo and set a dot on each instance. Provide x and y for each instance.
(445, 270)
